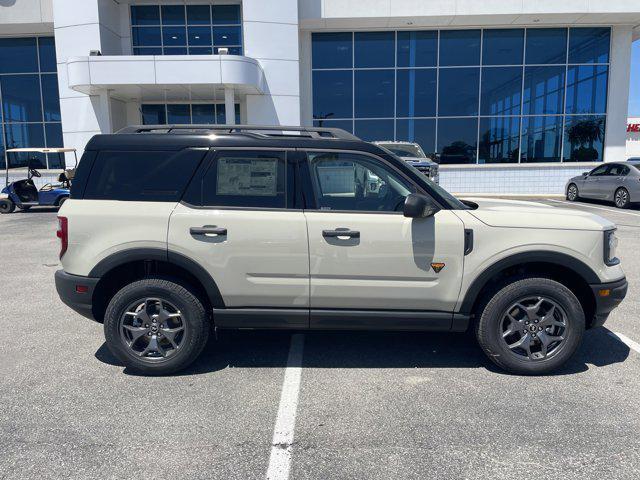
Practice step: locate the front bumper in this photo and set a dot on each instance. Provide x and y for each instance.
(76, 298)
(608, 296)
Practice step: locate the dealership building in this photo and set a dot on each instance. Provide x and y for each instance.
(509, 96)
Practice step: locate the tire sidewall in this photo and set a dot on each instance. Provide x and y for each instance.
(568, 188)
(628, 198)
(7, 206)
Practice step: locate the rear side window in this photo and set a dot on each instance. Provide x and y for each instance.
(142, 176)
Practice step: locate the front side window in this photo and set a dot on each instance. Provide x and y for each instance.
(599, 171)
(353, 182)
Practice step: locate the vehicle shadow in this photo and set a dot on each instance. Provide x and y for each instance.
(265, 349)
(603, 203)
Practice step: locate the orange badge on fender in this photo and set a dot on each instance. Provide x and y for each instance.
(437, 267)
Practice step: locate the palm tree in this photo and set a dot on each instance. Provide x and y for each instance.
(583, 134)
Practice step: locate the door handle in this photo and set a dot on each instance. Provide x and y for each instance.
(208, 230)
(340, 233)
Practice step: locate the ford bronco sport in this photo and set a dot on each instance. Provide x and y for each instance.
(171, 231)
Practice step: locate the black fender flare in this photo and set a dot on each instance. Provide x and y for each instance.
(541, 256)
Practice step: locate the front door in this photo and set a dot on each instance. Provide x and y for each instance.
(592, 187)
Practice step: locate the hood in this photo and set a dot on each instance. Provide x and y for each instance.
(519, 214)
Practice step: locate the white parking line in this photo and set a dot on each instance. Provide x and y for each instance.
(280, 459)
(611, 210)
(626, 340)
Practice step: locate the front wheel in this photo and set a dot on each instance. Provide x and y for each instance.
(621, 198)
(7, 206)
(531, 326)
(572, 192)
(156, 326)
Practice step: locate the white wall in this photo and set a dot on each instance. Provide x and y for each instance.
(26, 17)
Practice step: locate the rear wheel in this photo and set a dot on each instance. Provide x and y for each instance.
(572, 192)
(62, 200)
(621, 198)
(7, 206)
(531, 326)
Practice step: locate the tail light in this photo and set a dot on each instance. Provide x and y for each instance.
(63, 234)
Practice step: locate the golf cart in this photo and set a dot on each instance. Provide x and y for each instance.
(24, 194)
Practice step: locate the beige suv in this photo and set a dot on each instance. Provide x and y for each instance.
(171, 231)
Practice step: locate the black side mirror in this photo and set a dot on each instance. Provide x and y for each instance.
(419, 206)
(584, 174)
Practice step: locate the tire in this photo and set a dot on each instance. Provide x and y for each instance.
(572, 192)
(174, 351)
(61, 201)
(529, 358)
(621, 198)
(7, 206)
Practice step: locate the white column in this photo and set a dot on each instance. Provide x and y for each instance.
(618, 96)
(229, 106)
(103, 112)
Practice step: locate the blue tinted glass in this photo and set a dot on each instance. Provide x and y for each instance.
(226, 14)
(200, 50)
(21, 99)
(154, 114)
(221, 114)
(148, 51)
(374, 49)
(50, 98)
(457, 140)
(459, 47)
(332, 50)
(373, 93)
(458, 91)
(54, 138)
(417, 49)
(372, 130)
(199, 35)
(237, 112)
(173, 15)
(583, 138)
(22, 135)
(174, 36)
(2, 162)
(416, 93)
(203, 113)
(226, 36)
(503, 46)
(499, 140)
(47, 51)
(543, 90)
(175, 51)
(541, 139)
(346, 125)
(18, 55)
(421, 131)
(178, 113)
(332, 94)
(546, 45)
(198, 14)
(146, 36)
(145, 15)
(501, 91)
(587, 89)
(589, 45)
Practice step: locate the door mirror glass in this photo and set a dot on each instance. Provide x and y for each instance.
(419, 206)
(584, 174)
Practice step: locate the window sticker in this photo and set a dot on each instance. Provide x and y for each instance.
(247, 176)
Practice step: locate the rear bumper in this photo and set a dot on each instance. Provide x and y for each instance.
(606, 302)
(67, 287)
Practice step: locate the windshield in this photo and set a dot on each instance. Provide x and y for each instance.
(404, 150)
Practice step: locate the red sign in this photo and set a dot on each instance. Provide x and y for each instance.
(633, 127)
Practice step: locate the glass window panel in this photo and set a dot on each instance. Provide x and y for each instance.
(232, 50)
(148, 51)
(47, 52)
(221, 118)
(501, 91)
(589, 45)
(22, 135)
(372, 130)
(374, 49)
(226, 36)
(421, 131)
(417, 49)
(145, 15)
(346, 125)
(457, 140)
(587, 89)
(332, 50)
(153, 114)
(200, 50)
(459, 47)
(53, 132)
(236, 109)
(543, 90)
(175, 51)
(174, 36)
(458, 92)
(499, 140)
(203, 113)
(50, 98)
(226, 14)
(21, 98)
(2, 162)
(178, 113)
(583, 138)
(18, 55)
(173, 15)
(198, 14)
(373, 93)
(199, 35)
(546, 45)
(333, 94)
(541, 139)
(503, 46)
(416, 93)
(146, 36)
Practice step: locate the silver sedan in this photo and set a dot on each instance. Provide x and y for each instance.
(615, 182)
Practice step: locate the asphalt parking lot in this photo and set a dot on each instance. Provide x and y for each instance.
(369, 405)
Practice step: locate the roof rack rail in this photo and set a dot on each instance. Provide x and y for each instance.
(259, 130)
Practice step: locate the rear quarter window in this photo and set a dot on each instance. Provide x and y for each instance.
(142, 176)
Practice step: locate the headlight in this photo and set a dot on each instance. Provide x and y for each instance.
(610, 248)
